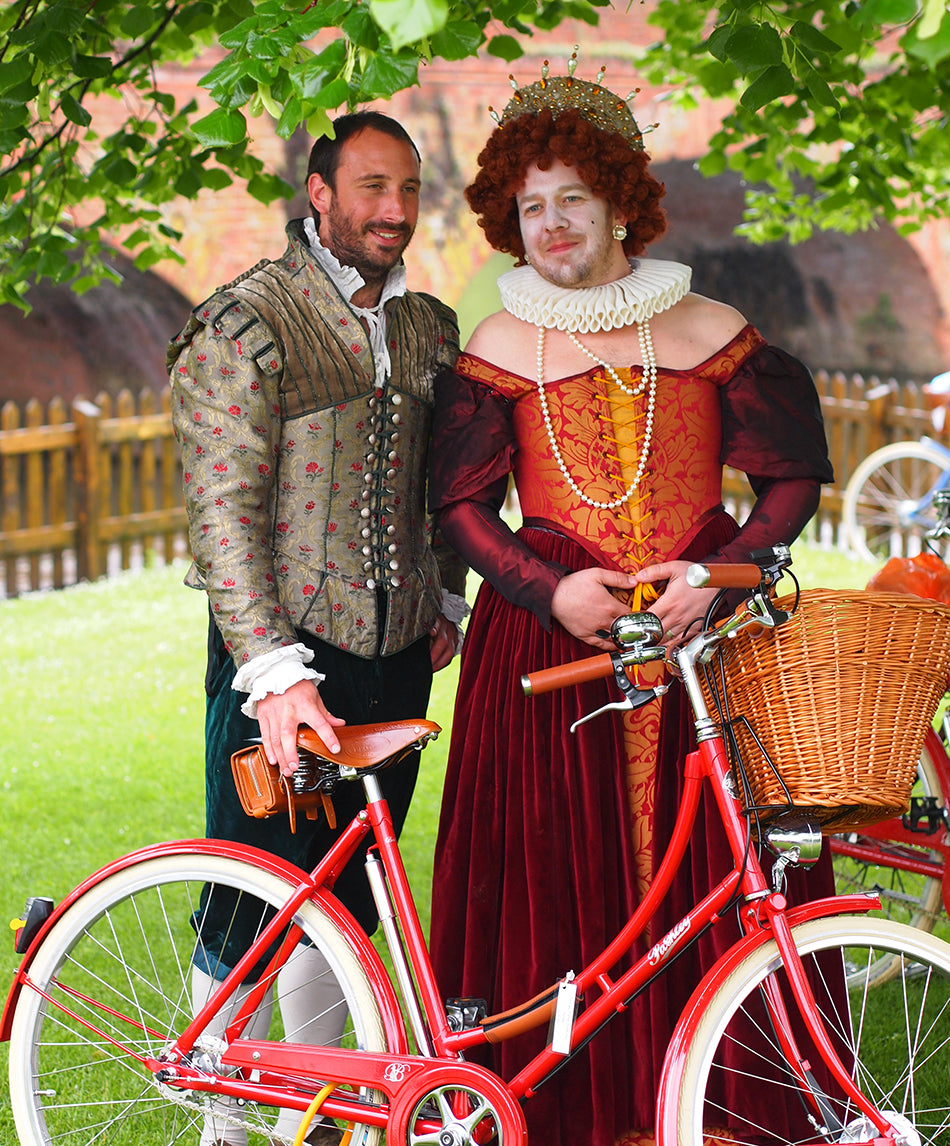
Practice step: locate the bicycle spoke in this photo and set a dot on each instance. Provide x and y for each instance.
(893, 1037)
(118, 978)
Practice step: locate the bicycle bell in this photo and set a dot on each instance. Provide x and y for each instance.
(636, 629)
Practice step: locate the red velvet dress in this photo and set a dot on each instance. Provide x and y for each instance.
(548, 838)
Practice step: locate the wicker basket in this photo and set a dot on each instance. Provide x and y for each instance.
(840, 697)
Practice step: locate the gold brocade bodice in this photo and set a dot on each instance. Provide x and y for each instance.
(599, 432)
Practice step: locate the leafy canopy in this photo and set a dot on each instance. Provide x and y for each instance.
(838, 110)
(835, 112)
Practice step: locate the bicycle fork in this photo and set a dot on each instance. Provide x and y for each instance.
(822, 1115)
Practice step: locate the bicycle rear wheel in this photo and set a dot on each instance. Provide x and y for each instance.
(906, 897)
(885, 509)
(896, 1035)
(118, 970)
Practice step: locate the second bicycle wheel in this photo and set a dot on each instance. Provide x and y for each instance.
(885, 509)
(906, 897)
(736, 1084)
(119, 972)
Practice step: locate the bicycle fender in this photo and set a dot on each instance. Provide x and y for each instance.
(369, 958)
(675, 1058)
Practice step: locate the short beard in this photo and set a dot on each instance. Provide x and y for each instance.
(351, 251)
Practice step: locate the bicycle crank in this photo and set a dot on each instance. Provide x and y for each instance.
(457, 1104)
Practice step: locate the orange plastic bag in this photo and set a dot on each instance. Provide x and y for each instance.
(924, 575)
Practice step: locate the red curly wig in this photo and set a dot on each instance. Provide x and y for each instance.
(605, 162)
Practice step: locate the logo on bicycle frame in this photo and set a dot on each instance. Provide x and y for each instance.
(661, 949)
(395, 1072)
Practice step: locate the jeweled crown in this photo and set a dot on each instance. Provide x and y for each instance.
(597, 104)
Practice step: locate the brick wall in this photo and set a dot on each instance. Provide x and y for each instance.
(224, 232)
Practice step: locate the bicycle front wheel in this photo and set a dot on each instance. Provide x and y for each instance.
(906, 897)
(894, 1037)
(117, 973)
(886, 509)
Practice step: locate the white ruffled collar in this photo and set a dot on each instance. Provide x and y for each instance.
(348, 281)
(653, 285)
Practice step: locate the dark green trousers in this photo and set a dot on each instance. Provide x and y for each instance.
(361, 692)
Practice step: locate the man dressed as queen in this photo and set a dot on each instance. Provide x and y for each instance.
(615, 396)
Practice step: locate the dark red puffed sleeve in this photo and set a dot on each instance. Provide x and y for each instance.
(771, 419)
(783, 507)
(473, 442)
(772, 430)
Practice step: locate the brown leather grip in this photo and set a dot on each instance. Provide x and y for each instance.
(724, 576)
(560, 676)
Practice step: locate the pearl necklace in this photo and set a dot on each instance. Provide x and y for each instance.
(647, 382)
(610, 370)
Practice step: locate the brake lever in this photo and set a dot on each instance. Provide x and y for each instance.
(633, 697)
(623, 705)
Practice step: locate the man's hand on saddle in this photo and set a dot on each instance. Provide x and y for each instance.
(679, 605)
(583, 603)
(281, 714)
(444, 638)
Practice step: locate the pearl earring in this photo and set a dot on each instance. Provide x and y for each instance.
(619, 232)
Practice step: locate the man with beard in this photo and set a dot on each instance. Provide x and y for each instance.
(302, 396)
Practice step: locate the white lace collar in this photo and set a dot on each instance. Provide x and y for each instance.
(653, 285)
(348, 281)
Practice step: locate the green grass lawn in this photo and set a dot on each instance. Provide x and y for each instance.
(101, 732)
(102, 720)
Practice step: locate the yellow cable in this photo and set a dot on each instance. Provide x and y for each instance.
(311, 1113)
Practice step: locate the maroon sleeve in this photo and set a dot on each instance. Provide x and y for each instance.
(473, 443)
(783, 507)
(771, 419)
(772, 430)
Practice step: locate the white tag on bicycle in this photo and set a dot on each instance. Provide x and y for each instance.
(565, 1009)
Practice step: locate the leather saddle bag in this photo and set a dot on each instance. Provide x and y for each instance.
(263, 792)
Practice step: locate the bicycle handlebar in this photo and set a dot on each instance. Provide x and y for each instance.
(724, 576)
(638, 635)
(561, 676)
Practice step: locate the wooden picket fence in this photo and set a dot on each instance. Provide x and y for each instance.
(96, 488)
(87, 490)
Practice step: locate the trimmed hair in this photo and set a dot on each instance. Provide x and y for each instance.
(325, 153)
(605, 162)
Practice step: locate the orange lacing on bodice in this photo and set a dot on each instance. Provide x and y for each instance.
(624, 416)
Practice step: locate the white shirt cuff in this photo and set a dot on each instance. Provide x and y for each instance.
(454, 607)
(273, 672)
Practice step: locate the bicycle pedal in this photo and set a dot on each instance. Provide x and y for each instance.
(465, 1014)
(926, 816)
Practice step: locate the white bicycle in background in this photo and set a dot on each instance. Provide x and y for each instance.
(887, 508)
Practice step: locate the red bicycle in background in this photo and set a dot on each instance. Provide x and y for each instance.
(109, 1046)
(906, 860)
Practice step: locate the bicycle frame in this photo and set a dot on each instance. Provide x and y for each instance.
(261, 1069)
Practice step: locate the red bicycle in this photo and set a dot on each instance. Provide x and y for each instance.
(904, 860)
(108, 1046)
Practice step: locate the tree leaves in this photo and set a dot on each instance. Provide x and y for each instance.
(835, 113)
(57, 57)
(769, 85)
(408, 21)
(220, 129)
(840, 110)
